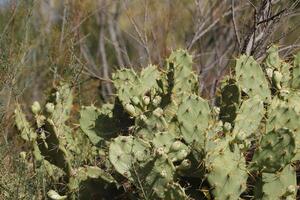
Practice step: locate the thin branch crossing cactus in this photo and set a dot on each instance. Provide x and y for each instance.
(166, 142)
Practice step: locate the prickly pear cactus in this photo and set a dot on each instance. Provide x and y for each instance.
(160, 140)
(251, 78)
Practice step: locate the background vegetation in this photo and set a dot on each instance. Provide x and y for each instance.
(43, 42)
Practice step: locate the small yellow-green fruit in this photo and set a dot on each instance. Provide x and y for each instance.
(50, 107)
(36, 107)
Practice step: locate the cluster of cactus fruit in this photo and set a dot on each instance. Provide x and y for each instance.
(166, 142)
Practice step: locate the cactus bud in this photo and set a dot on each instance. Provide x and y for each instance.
(269, 72)
(176, 146)
(23, 155)
(182, 154)
(158, 112)
(291, 189)
(130, 109)
(156, 101)
(50, 107)
(185, 164)
(163, 173)
(146, 100)
(36, 108)
(143, 118)
(216, 110)
(160, 151)
(227, 127)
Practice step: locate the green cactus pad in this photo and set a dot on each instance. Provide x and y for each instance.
(284, 114)
(88, 172)
(275, 150)
(285, 70)
(231, 94)
(296, 72)
(273, 60)
(97, 124)
(251, 78)
(156, 176)
(23, 125)
(124, 151)
(230, 101)
(183, 79)
(54, 149)
(248, 118)
(163, 140)
(193, 116)
(63, 104)
(280, 185)
(227, 174)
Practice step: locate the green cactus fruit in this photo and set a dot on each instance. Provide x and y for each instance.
(275, 150)
(227, 127)
(251, 78)
(146, 100)
(36, 107)
(23, 155)
(269, 72)
(124, 151)
(193, 116)
(158, 112)
(280, 185)
(184, 165)
(248, 118)
(130, 109)
(178, 151)
(50, 107)
(156, 101)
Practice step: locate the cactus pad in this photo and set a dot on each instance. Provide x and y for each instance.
(124, 151)
(251, 78)
(275, 150)
(193, 116)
